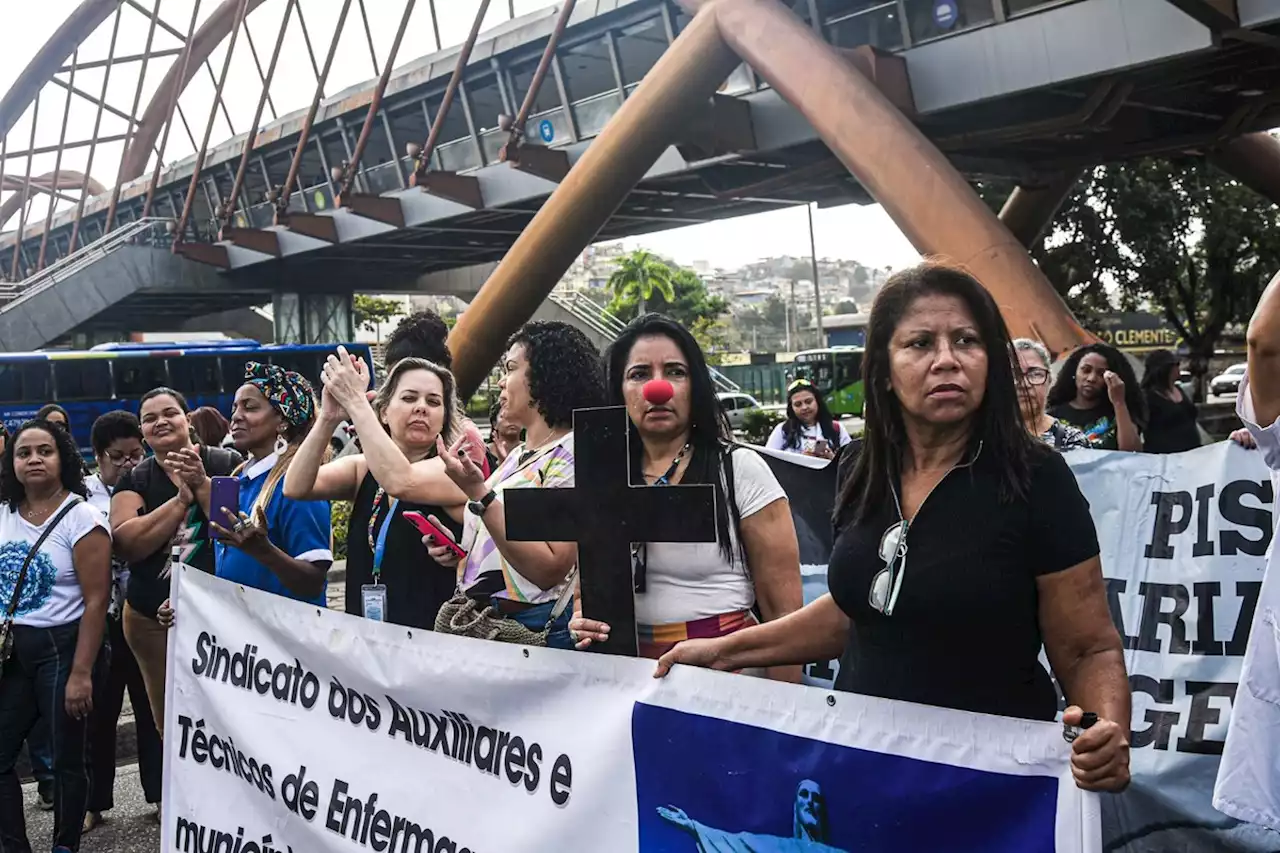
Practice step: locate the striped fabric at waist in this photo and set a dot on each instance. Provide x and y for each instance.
(657, 640)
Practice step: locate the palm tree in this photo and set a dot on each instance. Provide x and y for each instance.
(642, 273)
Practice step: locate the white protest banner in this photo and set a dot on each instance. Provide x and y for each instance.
(296, 729)
(1183, 539)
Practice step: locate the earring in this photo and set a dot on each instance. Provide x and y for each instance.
(281, 445)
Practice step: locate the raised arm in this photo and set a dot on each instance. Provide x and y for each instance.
(1264, 355)
(139, 534)
(422, 482)
(308, 476)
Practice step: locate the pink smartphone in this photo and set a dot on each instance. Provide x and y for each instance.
(426, 528)
(223, 491)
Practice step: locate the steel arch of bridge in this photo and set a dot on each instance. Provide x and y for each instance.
(150, 126)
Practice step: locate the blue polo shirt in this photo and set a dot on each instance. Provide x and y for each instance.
(299, 528)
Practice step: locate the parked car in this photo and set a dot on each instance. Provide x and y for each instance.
(1228, 381)
(736, 407)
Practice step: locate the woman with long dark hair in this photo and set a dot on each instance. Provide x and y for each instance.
(697, 590)
(1172, 425)
(954, 525)
(416, 405)
(809, 428)
(161, 503)
(271, 541)
(57, 627)
(1097, 392)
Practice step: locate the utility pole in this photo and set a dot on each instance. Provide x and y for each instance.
(791, 315)
(817, 289)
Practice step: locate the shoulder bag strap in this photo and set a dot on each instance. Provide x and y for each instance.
(35, 549)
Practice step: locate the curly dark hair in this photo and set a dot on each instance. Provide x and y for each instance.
(113, 426)
(1064, 389)
(12, 492)
(420, 335)
(564, 369)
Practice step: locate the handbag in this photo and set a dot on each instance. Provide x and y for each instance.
(463, 616)
(6, 630)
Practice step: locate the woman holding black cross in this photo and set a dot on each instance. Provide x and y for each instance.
(657, 370)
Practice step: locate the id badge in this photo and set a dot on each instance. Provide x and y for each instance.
(374, 596)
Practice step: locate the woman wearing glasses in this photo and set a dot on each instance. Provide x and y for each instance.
(1033, 388)
(698, 590)
(809, 428)
(963, 544)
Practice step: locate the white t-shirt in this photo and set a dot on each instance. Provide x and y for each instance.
(808, 437)
(51, 594)
(1248, 786)
(688, 581)
(99, 495)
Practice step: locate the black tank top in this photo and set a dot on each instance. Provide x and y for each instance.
(416, 584)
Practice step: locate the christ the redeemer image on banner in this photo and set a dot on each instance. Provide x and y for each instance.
(809, 829)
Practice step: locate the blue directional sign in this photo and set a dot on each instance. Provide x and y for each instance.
(546, 130)
(945, 13)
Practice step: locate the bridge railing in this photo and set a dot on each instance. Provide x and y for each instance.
(608, 325)
(152, 231)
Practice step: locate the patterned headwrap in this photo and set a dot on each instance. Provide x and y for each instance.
(289, 393)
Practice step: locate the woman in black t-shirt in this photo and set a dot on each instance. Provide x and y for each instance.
(1097, 393)
(416, 404)
(962, 542)
(163, 502)
(1171, 422)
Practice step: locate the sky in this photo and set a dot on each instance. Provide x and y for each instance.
(850, 232)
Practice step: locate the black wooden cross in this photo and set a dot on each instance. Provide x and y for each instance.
(605, 514)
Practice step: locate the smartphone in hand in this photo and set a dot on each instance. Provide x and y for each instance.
(223, 491)
(426, 528)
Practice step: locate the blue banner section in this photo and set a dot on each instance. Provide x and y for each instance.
(707, 784)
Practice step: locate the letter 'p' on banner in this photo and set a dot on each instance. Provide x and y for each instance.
(297, 729)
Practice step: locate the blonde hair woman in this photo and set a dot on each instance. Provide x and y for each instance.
(417, 403)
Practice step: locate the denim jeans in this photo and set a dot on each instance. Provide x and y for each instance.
(535, 619)
(32, 686)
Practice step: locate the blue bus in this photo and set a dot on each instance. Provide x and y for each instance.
(88, 383)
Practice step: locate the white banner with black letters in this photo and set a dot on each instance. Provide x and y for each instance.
(1183, 539)
(291, 728)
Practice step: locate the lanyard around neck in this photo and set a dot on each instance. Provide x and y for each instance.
(378, 540)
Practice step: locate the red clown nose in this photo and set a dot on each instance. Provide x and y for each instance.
(658, 391)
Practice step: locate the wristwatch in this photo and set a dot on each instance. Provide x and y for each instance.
(478, 507)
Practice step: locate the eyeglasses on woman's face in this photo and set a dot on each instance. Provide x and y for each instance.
(1036, 376)
(115, 457)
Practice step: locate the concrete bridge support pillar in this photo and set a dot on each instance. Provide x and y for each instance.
(313, 318)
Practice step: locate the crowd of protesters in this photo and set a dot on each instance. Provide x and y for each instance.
(86, 560)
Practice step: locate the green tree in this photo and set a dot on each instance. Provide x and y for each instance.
(775, 311)
(639, 275)
(845, 306)
(368, 311)
(1176, 237)
(688, 302)
(1197, 246)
